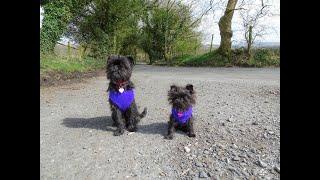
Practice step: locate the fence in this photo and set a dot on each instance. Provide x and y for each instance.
(69, 50)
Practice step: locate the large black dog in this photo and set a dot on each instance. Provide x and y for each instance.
(121, 94)
(182, 99)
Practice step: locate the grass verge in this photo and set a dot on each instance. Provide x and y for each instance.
(54, 68)
(260, 58)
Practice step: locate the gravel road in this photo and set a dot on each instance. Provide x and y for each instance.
(237, 123)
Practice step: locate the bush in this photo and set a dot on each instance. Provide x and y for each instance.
(56, 17)
(266, 57)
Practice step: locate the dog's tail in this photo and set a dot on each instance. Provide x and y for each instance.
(144, 113)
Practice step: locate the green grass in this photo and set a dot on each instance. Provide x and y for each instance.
(207, 59)
(265, 57)
(69, 65)
(260, 58)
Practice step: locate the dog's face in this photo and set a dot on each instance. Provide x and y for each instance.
(181, 98)
(119, 68)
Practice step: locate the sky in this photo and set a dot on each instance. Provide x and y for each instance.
(41, 16)
(209, 23)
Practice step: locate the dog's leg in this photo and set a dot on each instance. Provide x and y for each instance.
(171, 129)
(132, 116)
(114, 114)
(114, 118)
(190, 128)
(132, 127)
(117, 118)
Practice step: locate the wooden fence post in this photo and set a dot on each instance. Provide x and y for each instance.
(211, 43)
(69, 50)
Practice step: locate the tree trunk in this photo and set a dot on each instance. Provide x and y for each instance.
(145, 57)
(225, 28)
(166, 52)
(166, 56)
(249, 43)
(150, 60)
(84, 50)
(166, 48)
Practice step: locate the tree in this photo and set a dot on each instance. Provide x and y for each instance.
(167, 26)
(225, 28)
(105, 25)
(57, 15)
(251, 16)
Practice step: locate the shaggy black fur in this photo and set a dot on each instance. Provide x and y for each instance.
(119, 70)
(181, 98)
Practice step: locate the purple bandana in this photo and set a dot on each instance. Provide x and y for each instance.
(122, 100)
(182, 117)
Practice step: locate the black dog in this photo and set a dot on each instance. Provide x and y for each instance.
(121, 94)
(182, 99)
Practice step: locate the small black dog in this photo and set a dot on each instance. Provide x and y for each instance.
(121, 94)
(182, 99)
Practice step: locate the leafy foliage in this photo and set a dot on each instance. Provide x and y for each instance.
(57, 15)
(168, 30)
(106, 26)
(160, 30)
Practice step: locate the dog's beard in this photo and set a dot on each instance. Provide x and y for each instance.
(181, 105)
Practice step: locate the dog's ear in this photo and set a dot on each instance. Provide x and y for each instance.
(130, 58)
(109, 58)
(173, 88)
(190, 88)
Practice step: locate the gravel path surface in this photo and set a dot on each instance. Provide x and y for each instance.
(237, 126)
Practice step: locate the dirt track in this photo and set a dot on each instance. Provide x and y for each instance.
(237, 126)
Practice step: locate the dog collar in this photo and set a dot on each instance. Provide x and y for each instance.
(181, 117)
(121, 84)
(122, 100)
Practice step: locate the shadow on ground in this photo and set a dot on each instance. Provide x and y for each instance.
(154, 128)
(104, 123)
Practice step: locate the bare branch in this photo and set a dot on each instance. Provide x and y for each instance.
(237, 9)
(199, 18)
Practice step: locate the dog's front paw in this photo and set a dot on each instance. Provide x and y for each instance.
(118, 132)
(132, 128)
(169, 137)
(191, 135)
